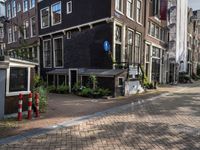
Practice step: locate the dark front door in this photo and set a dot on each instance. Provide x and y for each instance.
(156, 70)
(2, 92)
(73, 78)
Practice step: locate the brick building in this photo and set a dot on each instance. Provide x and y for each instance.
(74, 35)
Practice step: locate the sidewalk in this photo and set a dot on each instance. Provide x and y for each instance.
(63, 108)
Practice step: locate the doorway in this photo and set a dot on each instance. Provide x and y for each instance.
(155, 70)
(73, 78)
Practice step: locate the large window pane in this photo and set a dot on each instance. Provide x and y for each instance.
(18, 79)
(56, 12)
(45, 18)
(47, 53)
(130, 53)
(58, 51)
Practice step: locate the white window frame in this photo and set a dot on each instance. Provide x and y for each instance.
(44, 66)
(69, 34)
(8, 11)
(133, 10)
(8, 93)
(122, 6)
(18, 7)
(139, 20)
(41, 18)
(24, 24)
(14, 10)
(31, 4)
(53, 24)
(67, 7)
(9, 35)
(31, 26)
(54, 63)
(25, 10)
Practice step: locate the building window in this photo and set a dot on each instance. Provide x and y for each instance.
(138, 11)
(137, 48)
(56, 13)
(130, 46)
(9, 35)
(130, 9)
(155, 52)
(32, 3)
(45, 18)
(25, 5)
(153, 29)
(18, 79)
(69, 35)
(118, 43)
(119, 5)
(14, 33)
(1, 33)
(26, 29)
(47, 54)
(58, 52)
(157, 32)
(14, 8)
(8, 11)
(120, 81)
(149, 27)
(69, 7)
(18, 7)
(33, 27)
(148, 48)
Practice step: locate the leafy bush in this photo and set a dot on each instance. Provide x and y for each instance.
(148, 85)
(86, 92)
(77, 87)
(51, 89)
(62, 89)
(42, 97)
(97, 93)
(184, 78)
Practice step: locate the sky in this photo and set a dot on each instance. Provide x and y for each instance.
(195, 4)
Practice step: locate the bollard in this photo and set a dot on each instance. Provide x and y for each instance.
(20, 107)
(37, 104)
(30, 99)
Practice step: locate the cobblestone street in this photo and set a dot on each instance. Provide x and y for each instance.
(171, 121)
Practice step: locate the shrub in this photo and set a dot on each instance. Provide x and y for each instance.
(86, 92)
(42, 97)
(77, 87)
(51, 89)
(148, 85)
(62, 89)
(184, 78)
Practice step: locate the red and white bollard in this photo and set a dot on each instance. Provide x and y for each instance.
(37, 104)
(30, 99)
(20, 107)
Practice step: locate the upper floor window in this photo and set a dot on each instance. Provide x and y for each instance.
(26, 29)
(14, 8)
(8, 11)
(32, 3)
(18, 7)
(139, 12)
(33, 27)
(25, 5)
(1, 33)
(44, 15)
(130, 8)
(69, 7)
(119, 5)
(9, 35)
(56, 13)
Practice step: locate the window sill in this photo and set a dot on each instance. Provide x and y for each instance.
(119, 12)
(17, 93)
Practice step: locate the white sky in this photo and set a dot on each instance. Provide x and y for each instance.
(195, 4)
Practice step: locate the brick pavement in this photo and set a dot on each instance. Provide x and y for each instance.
(169, 122)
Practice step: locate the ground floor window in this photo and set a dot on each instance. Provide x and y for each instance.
(18, 79)
(58, 52)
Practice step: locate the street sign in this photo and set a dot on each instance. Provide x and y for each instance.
(106, 46)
